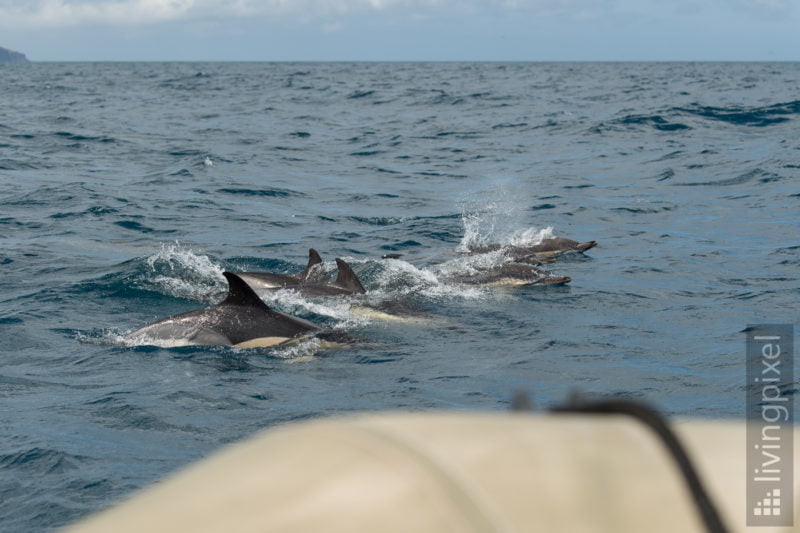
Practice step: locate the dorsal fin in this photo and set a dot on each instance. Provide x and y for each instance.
(313, 259)
(347, 278)
(240, 293)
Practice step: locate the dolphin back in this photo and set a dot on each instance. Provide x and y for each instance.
(347, 279)
(240, 293)
(311, 274)
(241, 318)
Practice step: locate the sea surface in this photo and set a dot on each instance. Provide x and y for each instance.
(127, 189)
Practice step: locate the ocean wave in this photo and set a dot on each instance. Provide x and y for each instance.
(668, 119)
(745, 177)
(360, 94)
(511, 125)
(84, 138)
(759, 116)
(114, 411)
(40, 461)
(379, 221)
(655, 121)
(50, 195)
(643, 210)
(97, 211)
(271, 192)
(16, 164)
(133, 225)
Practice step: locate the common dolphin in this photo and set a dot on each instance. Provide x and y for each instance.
(547, 249)
(511, 274)
(346, 283)
(313, 273)
(242, 320)
(391, 311)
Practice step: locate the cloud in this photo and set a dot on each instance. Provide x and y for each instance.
(42, 14)
(65, 13)
(62, 13)
(53, 13)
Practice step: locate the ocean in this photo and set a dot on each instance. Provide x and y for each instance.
(126, 189)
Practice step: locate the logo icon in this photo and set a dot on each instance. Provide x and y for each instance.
(770, 505)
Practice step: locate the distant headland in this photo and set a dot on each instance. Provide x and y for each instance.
(10, 56)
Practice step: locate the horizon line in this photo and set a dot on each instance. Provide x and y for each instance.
(28, 60)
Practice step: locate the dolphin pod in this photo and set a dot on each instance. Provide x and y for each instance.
(313, 273)
(243, 320)
(310, 282)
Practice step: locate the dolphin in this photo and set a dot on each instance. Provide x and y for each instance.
(269, 280)
(511, 274)
(346, 283)
(242, 320)
(391, 311)
(537, 253)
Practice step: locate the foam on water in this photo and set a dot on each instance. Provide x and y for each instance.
(291, 302)
(308, 347)
(529, 236)
(125, 339)
(182, 273)
(105, 337)
(143, 339)
(400, 279)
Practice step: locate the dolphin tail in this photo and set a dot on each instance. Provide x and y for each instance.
(347, 278)
(240, 293)
(309, 272)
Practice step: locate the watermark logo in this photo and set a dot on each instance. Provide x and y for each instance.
(770, 425)
(770, 505)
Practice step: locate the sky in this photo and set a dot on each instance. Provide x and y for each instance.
(402, 30)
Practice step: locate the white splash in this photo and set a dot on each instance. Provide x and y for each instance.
(180, 272)
(297, 351)
(119, 338)
(495, 215)
(400, 279)
(143, 339)
(293, 303)
(529, 237)
(108, 337)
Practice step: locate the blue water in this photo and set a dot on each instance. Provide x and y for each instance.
(126, 190)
